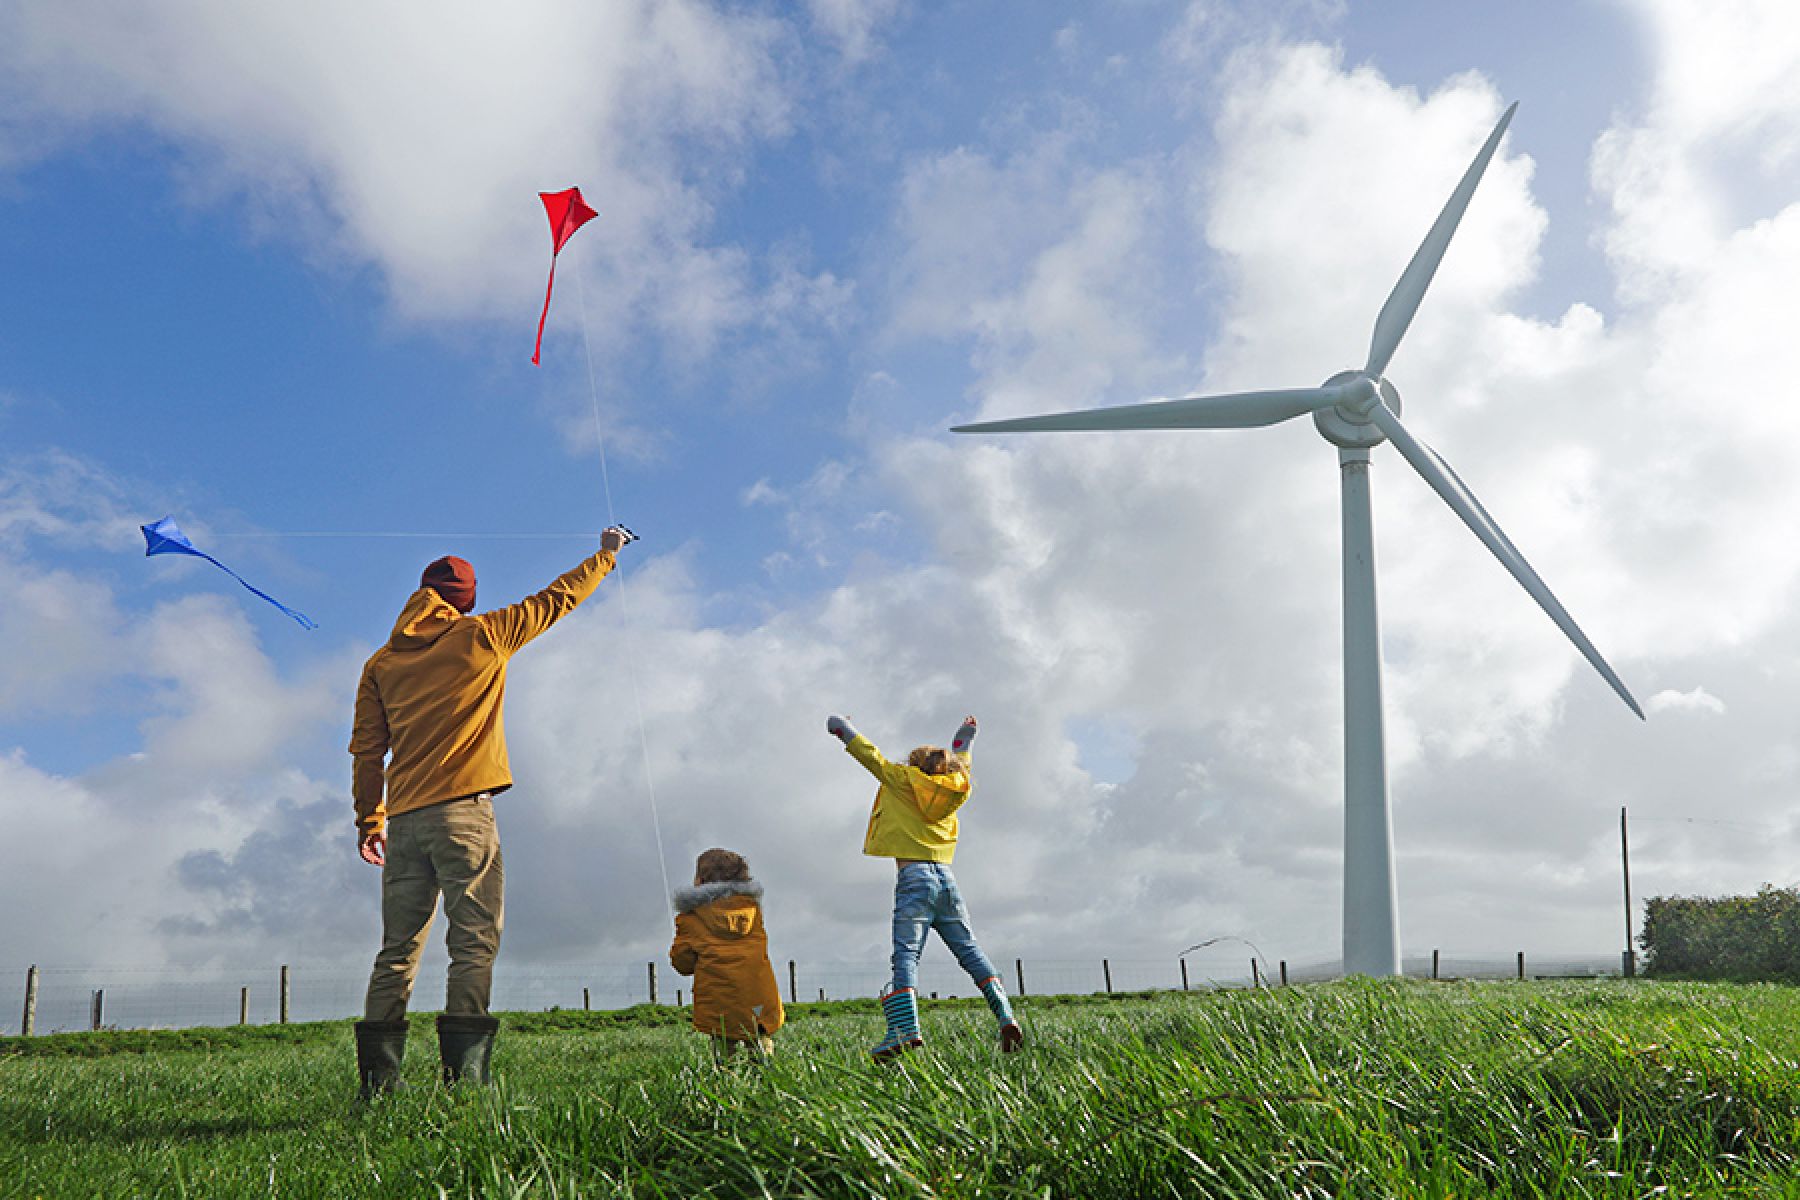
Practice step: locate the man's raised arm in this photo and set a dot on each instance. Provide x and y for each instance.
(511, 627)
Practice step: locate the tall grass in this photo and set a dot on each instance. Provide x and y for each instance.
(1354, 1089)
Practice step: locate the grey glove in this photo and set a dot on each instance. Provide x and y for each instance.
(839, 728)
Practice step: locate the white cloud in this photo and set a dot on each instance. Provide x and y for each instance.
(851, 24)
(1699, 700)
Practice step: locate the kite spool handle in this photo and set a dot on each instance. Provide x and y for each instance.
(630, 537)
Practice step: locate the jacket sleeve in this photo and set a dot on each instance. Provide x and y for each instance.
(684, 952)
(511, 627)
(368, 749)
(863, 751)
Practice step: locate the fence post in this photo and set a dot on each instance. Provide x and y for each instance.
(677, 997)
(1184, 983)
(99, 1003)
(1434, 964)
(1284, 972)
(585, 1007)
(243, 1006)
(1106, 969)
(652, 966)
(1019, 967)
(28, 1024)
(793, 983)
(286, 994)
(1521, 964)
(1255, 973)
(821, 995)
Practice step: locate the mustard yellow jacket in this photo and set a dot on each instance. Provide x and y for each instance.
(721, 942)
(432, 697)
(915, 813)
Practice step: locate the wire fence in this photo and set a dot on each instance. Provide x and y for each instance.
(60, 999)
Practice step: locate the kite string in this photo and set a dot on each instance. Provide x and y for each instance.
(662, 859)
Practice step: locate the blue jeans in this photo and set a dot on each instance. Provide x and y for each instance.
(926, 898)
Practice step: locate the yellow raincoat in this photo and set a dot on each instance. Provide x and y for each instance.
(720, 941)
(915, 813)
(433, 696)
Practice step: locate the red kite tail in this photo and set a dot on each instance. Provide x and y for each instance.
(539, 348)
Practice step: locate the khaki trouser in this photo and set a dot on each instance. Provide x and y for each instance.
(452, 848)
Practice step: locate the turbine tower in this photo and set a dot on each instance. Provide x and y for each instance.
(1357, 411)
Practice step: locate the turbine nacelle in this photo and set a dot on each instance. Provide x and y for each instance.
(1350, 423)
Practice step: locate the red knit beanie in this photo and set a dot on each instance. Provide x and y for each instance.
(453, 579)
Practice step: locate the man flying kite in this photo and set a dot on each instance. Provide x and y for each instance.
(430, 755)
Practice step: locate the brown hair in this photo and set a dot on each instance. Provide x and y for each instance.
(935, 760)
(721, 866)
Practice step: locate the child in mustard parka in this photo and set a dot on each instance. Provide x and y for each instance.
(914, 823)
(721, 942)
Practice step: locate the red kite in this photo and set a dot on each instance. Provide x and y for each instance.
(568, 212)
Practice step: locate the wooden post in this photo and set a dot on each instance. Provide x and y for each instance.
(28, 1025)
(1629, 959)
(585, 1006)
(793, 983)
(1184, 983)
(99, 1004)
(1256, 979)
(1284, 972)
(1106, 969)
(1434, 964)
(243, 1006)
(821, 995)
(286, 993)
(677, 997)
(1521, 964)
(652, 965)
(1019, 968)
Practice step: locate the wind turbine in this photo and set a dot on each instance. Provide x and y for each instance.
(1356, 411)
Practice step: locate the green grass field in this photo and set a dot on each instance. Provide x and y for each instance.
(1351, 1089)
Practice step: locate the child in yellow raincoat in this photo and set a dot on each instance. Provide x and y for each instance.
(914, 823)
(721, 942)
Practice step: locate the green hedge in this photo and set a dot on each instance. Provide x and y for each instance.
(1737, 938)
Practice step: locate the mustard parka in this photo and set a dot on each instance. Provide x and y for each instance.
(914, 814)
(433, 697)
(721, 942)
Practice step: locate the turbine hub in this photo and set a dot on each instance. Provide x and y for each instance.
(1347, 423)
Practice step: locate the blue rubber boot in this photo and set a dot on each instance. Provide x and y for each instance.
(1011, 1036)
(902, 1011)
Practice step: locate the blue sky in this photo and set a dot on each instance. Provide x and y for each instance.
(270, 277)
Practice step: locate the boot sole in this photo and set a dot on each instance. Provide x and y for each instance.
(889, 1053)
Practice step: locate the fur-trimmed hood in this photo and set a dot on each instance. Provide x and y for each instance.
(688, 899)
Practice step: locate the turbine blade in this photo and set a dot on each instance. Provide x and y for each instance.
(1446, 483)
(1403, 301)
(1236, 410)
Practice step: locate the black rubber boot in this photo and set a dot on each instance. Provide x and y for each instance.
(380, 1045)
(466, 1044)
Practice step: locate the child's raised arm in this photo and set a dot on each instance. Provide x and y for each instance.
(864, 751)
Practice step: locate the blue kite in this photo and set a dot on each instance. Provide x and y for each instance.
(165, 537)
